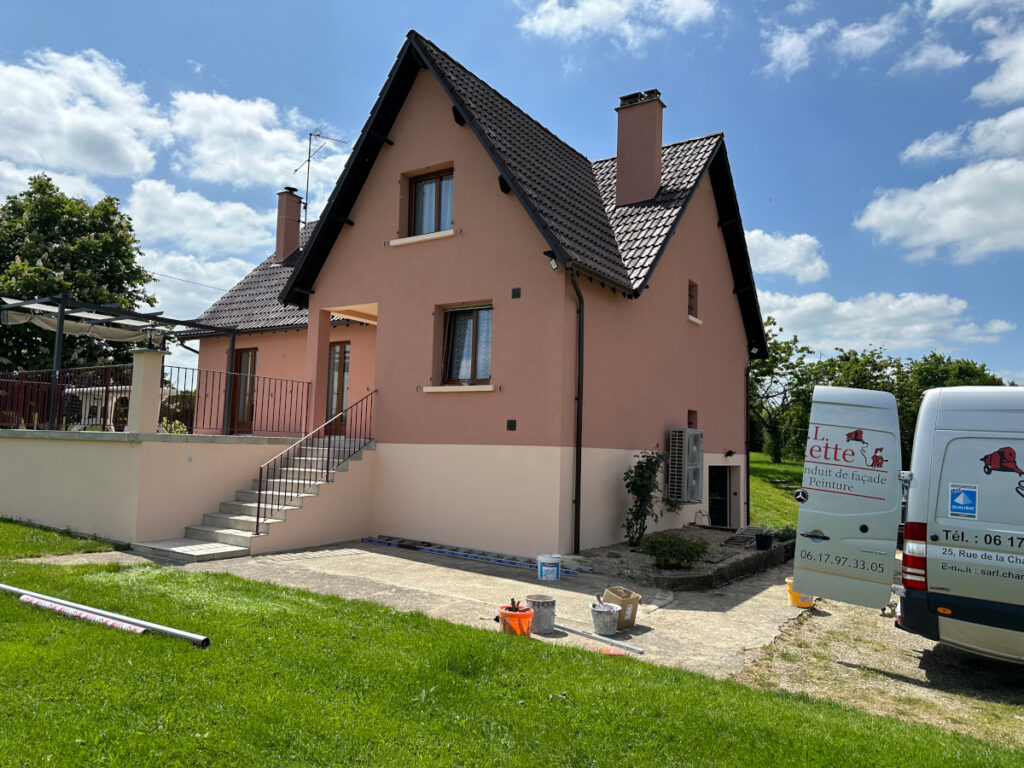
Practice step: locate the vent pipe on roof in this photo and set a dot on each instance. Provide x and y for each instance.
(638, 164)
(289, 221)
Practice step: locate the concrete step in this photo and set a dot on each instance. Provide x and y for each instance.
(250, 495)
(249, 508)
(337, 452)
(188, 550)
(309, 475)
(231, 536)
(295, 486)
(239, 522)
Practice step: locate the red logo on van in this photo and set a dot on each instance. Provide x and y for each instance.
(1003, 460)
(857, 435)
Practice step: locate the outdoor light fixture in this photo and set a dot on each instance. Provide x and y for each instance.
(729, 453)
(554, 263)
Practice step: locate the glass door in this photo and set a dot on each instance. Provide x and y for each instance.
(242, 396)
(337, 384)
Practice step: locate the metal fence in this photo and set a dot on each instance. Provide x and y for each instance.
(313, 459)
(93, 398)
(206, 402)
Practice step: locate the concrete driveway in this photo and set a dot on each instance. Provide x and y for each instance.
(715, 632)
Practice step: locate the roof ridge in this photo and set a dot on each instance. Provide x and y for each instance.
(499, 94)
(715, 134)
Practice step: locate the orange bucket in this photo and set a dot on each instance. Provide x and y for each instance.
(515, 622)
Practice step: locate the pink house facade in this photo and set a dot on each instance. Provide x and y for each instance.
(527, 318)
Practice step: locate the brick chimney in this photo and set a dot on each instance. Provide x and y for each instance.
(289, 219)
(638, 167)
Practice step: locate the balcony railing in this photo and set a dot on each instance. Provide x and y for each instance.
(206, 402)
(93, 398)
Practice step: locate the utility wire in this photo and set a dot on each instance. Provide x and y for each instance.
(191, 282)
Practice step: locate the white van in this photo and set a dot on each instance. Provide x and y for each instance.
(963, 554)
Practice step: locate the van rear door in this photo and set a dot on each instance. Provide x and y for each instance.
(850, 499)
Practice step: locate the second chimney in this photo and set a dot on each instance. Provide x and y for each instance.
(289, 215)
(638, 163)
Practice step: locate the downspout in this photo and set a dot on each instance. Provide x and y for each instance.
(746, 428)
(579, 412)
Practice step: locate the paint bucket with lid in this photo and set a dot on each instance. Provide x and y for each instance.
(549, 567)
(543, 613)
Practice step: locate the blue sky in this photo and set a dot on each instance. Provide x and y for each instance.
(877, 148)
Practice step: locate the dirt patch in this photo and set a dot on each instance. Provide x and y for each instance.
(856, 657)
(721, 563)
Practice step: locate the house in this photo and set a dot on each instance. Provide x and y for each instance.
(527, 318)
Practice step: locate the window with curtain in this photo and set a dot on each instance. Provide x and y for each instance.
(467, 345)
(431, 201)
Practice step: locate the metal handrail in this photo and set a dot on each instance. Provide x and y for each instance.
(311, 460)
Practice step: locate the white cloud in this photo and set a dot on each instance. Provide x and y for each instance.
(790, 50)
(77, 113)
(1007, 84)
(974, 212)
(930, 55)
(908, 322)
(634, 22)
(938, 144)
(942, 9)
(188, 221)
(184, 300)
(247, 142)
(799, 7)
(798, 256)
(1001, 136)
(861, 41)
(14, 180)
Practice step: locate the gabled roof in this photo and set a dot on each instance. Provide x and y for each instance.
(568, 198)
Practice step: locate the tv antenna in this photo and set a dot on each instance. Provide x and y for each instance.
(310, 154)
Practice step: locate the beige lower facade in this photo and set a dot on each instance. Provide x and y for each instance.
(511, 499)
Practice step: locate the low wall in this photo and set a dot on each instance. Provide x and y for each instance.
(124, 486)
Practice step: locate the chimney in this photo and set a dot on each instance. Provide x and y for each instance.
(638, 165)
(289, 215)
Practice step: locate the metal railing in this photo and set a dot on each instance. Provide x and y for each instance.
(92, 398)
(206, 402)
(313, 459)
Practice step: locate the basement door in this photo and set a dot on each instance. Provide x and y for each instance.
(718, 495)
(338, 358)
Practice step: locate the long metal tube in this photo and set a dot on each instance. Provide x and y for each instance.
(599, 638)
(199, 641)
(578, 473)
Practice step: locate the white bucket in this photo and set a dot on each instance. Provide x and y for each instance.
(549, 567)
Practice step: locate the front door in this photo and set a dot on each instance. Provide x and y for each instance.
(242, 395)
(718, 496)
(337, 385)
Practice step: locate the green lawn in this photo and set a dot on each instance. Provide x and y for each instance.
(771, 491)
(19, 540)
(294, 678)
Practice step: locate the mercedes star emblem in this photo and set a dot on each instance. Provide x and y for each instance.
(800, 496)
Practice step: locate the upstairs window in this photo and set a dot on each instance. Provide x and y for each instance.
(431, 203)
(467, 345)
(692, 300)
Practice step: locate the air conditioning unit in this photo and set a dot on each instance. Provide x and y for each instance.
(685, 480)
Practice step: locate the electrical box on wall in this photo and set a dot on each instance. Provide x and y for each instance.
(685, 480)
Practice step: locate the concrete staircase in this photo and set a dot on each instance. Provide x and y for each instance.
(230, 531)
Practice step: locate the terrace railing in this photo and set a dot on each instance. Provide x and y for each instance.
(207, 402)
(96, 397)
(313, 459)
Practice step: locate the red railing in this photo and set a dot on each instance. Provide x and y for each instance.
(206, 402)
(313, 459)
(96, 397)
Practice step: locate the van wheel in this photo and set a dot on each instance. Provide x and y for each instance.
(987, 469)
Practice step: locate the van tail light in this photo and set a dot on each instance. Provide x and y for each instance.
(915, 560)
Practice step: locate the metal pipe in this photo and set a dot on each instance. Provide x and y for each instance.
(199, 641)
(75, 613)
(578, 470)
(599, 638)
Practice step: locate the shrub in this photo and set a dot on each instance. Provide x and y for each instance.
(788, 533)
(173, 427)
(672, 551)
(642, 482)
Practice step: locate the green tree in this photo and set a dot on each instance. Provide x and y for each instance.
(50, 244)
(771, 385)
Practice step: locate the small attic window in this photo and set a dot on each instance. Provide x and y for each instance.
(691, 304)
(431, 202)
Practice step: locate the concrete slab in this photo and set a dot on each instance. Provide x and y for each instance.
(714, 632)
